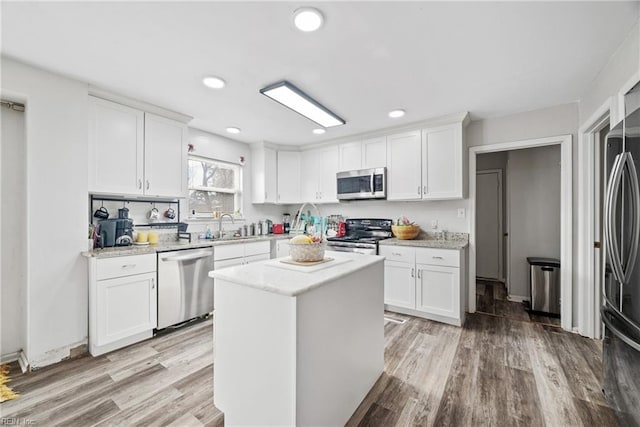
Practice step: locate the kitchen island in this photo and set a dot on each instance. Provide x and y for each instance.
(297, 345)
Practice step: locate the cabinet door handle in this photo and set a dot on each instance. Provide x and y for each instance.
(412, 273)
(139, 184)
(147, 184)
(437, 257)
(396, 253)
(419, 190)
(153, 283)
(419, 274)
(424, 190)
(128, 266)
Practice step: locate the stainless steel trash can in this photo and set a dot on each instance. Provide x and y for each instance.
(544, 284)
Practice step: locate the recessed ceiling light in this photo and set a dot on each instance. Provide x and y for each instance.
(396, 113)
(307, 19)
(291, 97)
(213, 82)
(319, 131)
(233, 130)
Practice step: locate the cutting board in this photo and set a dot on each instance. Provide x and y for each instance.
(288, 264)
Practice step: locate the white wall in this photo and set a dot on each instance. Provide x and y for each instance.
(534, 211)
(218, 147)
(56, 159)
(623, 66)
(13, 292)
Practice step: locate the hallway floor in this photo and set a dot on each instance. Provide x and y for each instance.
(491, 298)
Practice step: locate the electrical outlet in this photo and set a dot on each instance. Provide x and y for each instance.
(461, 213)
(434, 223)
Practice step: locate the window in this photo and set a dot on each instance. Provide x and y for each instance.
(213, 186)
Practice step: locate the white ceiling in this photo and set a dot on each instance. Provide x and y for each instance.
(430, 58)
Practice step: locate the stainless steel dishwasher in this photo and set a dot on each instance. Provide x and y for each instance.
(185, 290)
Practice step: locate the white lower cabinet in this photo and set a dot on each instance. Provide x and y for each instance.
(425, 282)
(122, 301)
(233, 254)
(282, 248)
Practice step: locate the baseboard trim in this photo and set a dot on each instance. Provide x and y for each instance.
(18, 356)
(23, 362)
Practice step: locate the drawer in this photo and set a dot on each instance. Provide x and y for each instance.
(228, 251)
(448, 257)
(398, 253)
(109, 268)
(257, 248)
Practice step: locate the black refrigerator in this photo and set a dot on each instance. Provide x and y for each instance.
(621, 288)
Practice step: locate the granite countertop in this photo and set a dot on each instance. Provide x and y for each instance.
(429, 240)
(175, 246)
(279, 278)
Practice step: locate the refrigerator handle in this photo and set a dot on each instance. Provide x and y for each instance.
(607, 319)
(635, 230)
(611, 198)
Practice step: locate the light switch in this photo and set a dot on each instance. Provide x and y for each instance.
(461, 213)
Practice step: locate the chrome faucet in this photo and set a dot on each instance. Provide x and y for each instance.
(220, 223)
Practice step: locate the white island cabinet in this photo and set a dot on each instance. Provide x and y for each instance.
(297, 345)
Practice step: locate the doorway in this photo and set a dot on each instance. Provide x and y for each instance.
(13, 226)
(565, 224)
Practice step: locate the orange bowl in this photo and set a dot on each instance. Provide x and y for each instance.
(405, 232)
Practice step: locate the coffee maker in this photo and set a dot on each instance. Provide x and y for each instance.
(124, 232)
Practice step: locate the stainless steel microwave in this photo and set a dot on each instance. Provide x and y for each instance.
(362, 184)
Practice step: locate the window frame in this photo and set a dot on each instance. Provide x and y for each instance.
(238, 199)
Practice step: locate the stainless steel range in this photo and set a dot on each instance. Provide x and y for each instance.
(362, 236)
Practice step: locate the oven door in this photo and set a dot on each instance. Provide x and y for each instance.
(364, 249)
(362, 184)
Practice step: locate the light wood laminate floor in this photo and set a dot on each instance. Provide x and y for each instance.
(494, 371)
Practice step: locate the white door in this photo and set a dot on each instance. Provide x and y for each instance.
(399, 284)
(126, 306)
(165, 157)
(289, 176)
(116, 148)
(404, 161)
(489, 224)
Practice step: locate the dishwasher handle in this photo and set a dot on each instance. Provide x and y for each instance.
(187, 257)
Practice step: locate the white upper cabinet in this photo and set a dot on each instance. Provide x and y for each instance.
(264, 175)
(116, 148)
(310, 176)
(404, 166)
(318, 175)
(133, 152)
(165, 157)
(328, 169)
(350, 156)
(374, 152)
(288, 177)
(442, 162)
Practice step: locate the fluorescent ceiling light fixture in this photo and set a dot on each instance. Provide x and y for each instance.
(293, 98)
(319, 131)
(213, 82)
(396, 113)
(233, 130)
(307, 19)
